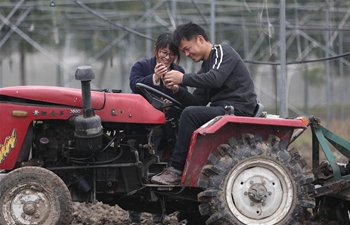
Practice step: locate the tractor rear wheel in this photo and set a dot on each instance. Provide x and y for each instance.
(34, 195)
(254, 181)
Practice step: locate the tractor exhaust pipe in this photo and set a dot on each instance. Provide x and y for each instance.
(88, 130)
(85, 74)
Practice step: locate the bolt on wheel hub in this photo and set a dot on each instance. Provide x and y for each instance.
(257, 192)
(29, 208)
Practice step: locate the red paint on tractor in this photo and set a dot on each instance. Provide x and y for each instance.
(208, 137)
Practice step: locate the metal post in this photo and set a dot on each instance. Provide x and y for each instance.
(306, 85)
(148, 30)
(212, 22)
(341, 73)
(328, 85)
(283, 100)
(173, 11)
(274, 70)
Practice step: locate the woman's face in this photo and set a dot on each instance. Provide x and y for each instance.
(165, 56)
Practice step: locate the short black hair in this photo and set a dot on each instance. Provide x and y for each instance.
(164, 40)
(188, 31)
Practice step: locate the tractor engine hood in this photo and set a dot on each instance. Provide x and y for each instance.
(51, 94)
(111, 107)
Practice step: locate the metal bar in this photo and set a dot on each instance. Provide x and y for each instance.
(92, 166)
(121, 36)
(173, 16)
(330, 188)
(19, 21)
(346, 178)
(200, 12)
(12, 12)
(339, 143)
(283, 103)
(321, 46)
(212, 21)
(328, 153)
(130, 30)
(328, 76)
(296, 135)
(341, 24)
(341, 73)
(34, 44)
(315, 148)
(94, 185)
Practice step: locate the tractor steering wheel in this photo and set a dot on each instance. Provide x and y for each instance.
(154, 97)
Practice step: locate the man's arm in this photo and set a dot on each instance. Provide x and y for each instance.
(187, 98)
(222, 63)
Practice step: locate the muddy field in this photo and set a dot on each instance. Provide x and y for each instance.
(100, 214)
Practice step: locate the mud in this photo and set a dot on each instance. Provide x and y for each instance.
(101, 214)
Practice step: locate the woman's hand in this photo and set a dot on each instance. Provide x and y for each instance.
(167, 101)
(159, 72)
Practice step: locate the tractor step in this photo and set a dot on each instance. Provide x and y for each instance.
(163, 187)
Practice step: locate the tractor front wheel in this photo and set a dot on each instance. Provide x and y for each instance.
(34, 195)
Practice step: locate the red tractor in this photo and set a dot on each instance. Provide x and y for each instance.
(60, 145)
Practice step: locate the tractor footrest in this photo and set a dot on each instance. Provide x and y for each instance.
(163, 187)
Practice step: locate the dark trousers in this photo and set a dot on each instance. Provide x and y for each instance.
(192, 117)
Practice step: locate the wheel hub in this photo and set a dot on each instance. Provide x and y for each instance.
(257, 192)
(29, 208)
(257, 185)
(28, 204)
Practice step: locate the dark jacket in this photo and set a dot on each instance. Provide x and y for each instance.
(222, 80)
(142, 72)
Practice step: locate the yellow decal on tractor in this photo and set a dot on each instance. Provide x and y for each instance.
(9, 143)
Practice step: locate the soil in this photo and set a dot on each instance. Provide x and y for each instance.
(101, 214)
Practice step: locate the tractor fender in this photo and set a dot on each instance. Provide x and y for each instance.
(219, 130)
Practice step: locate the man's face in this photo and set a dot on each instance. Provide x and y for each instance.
(192, 49)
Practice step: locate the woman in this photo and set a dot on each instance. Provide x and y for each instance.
(151, 70)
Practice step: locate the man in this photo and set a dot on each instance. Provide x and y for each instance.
(223, 80)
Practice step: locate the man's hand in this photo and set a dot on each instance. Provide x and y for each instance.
(172, 78)
(174, 88)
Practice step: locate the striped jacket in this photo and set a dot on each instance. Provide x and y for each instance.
(222, 80)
